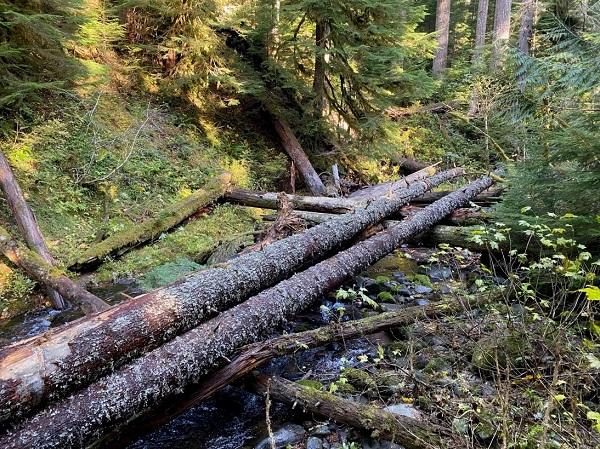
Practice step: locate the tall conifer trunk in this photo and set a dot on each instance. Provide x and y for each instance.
(525, 34)
(501, 32)
(442, 27)
(321, 58)
(481, 28)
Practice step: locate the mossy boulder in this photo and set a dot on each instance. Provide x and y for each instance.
(511, 350)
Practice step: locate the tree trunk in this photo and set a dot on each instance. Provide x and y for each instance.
(480, 29)
(485, 198)
(26, 221)
(408, 432)
(121, 242)
(153, 379)
(49, 276)
(322, 32)
(253, 356)
(389, 188)
(297, 154)
(501, 32)
(268, 200)
(63, 359)
(525, 34)
(442, 27)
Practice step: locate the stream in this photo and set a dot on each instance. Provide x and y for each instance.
(235, 418)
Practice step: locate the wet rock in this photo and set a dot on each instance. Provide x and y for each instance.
(399, 276)
(404, 410)
(385, 307)
(314, 443)
(321, 430)
(422, 302)
(445, 289)
(422, 289)
(287, 435)
(368, 284)
(370, 444)
(404, 292)
(438, 273)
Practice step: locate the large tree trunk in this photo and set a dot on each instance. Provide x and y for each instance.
(40, 270)
(253, 356)
(389, 188)
(322, 32)
(26, 221)
(480, 29)
(501, 32)
(63, 359)
(408, 432)
(442, 27)
(525, 34)
(297, 154)
(154, 378)
(168, 218)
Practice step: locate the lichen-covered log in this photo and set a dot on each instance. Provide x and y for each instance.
(388, 188)
(257, 354)
(488, 197)
(26, 221)
(408, 432)
(63, 359)
(151, 380)
(40, 270)
(268, 200)
(298, 156)
(119, 243)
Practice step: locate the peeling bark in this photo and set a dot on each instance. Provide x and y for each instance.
(170, 217)
(40, 270)
(408, 432)
(153, 379)
(298, 156)
(26, 221)
(388, 188)
(59, 361)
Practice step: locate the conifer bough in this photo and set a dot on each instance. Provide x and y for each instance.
(61, 360)
(153, 379)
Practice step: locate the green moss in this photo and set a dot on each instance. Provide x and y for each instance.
(421, 279)
(168, 273)
(314, 384)
(15, 292)
(510, 350)
(385, 297)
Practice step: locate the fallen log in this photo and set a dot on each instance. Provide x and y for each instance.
(256, 355)
(151, 380)
(408, 432)
(388, 188)
(119, 243)
(268, 200)
(40, 270)
(298, 156)
(61, 360)
(26, 221)
(395, 113)
(408, 165)
(484, 199)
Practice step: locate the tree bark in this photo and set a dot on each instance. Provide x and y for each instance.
(253, 356)
(388, 188)
(49, 276)
(501, 32)
(485, 198)
(408, 432)
(26, 221)
(322, 31)
(63, 359)
(153, 379)
(525, 34)
(442, 28)
(480, 29)
(297, 154)
(121, 242)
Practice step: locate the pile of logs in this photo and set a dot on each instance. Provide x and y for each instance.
(88, 383)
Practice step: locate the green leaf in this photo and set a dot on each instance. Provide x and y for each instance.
(592, 293)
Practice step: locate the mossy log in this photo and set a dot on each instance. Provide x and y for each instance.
(26, 221)
(255, 355)
(388, 188)
(298, 156)
(40, 270)
(155, 378)
(121, 242)
(408, 432)
(63, 359)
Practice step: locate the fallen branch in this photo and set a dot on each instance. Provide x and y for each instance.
(408, 432)
(170, 217)
(151, 380)
(49, 276)
(61, 360)
(26, 221)
(433, 108)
